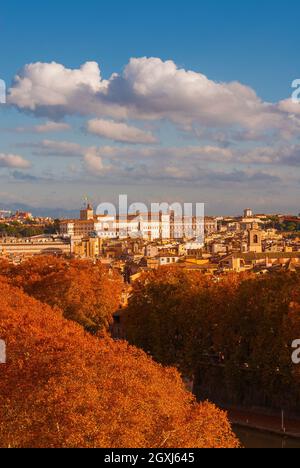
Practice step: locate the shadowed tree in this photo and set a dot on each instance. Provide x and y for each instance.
(233, 336)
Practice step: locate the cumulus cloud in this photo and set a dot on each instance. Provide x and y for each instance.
(52, 88)
(289, 106)
(148, 88)
(13, 161)
(119, 132)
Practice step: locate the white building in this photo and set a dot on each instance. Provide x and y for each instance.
(248, 213)
(144, 226)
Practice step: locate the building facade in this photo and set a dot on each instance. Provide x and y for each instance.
(19, 249)
(150, 227)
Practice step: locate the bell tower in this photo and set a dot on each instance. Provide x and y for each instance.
(255, 241)
(87, 213)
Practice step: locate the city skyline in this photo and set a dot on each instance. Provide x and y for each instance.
(101, 101)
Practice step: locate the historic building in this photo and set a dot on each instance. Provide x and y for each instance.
(153, 226)
(255, 241)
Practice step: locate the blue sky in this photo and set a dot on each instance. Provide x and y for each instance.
(164, 155)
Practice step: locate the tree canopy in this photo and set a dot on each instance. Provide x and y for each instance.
(85, 292)
(62, 387)
(233, 336)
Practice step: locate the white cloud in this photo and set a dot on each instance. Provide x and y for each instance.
(51, 85)
(93, 161)
(280, 154)
(285, 155)
(148, 88)
(186, 164)
(171, 170)
(13, 161)
(289, 106)
(119, 132)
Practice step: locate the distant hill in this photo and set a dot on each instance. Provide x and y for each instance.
(40, 211)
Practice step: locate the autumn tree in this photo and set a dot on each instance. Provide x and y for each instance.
(85, 292)
(160, 316)
(62, 388)
(233, 335)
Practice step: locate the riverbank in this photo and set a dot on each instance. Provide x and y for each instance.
(253, 439)
(268, 423)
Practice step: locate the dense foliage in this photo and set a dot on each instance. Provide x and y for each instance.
(87, 293)
(232, 336)
(63, 388)
(28, 229)
(283, 226)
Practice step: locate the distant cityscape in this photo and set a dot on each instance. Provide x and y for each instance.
(141, 242)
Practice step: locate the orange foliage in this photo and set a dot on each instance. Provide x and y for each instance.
(86, 293)
(63, 388)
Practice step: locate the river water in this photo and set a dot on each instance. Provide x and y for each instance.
(251, 438)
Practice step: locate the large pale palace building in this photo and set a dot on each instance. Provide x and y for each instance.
(13, 248)
(146, 226)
